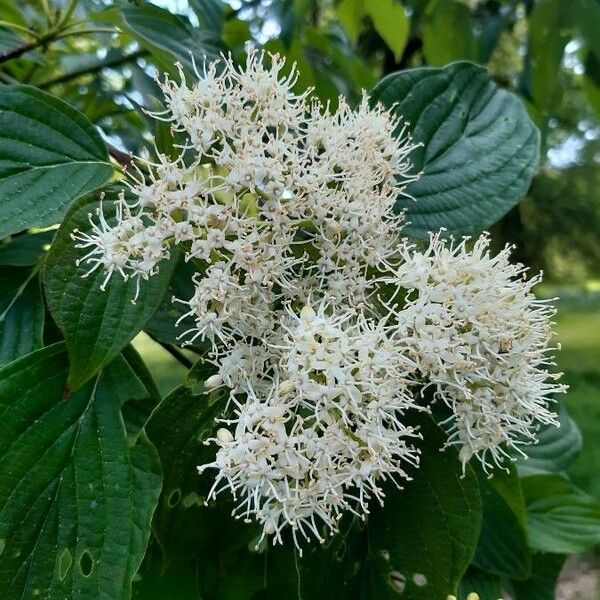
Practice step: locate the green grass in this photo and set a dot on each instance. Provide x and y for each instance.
(578, 331)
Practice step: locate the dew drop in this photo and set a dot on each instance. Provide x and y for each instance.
(420, 579)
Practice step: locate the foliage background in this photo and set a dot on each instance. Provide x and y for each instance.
(547, 51)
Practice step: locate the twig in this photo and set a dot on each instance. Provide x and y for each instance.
(18, 51)
(114, 62)
(124, 159)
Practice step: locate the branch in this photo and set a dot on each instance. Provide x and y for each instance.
(124, 159)
(18, 51)
(113, 62)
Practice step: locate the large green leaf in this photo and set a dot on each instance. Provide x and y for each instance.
(561, 518)
(448, 33)
(209, 551)
(486, 586)
(332, 569)
(210, 13)
(178, 426)
(424, 537)
(168, 37)
(502, 548)
(541, 584)
(556, 449)
(21, 313)
(480, 149)
(350, 14)
(96, 324)
(49, 155)
(76, 499)
(25, 250)
(390, 22)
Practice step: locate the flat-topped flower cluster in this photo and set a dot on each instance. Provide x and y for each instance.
(327, 326)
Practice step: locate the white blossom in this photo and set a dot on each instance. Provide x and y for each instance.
(482, 340)
(321, 441)
(326, 327)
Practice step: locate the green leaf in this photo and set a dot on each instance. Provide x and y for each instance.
(426, 552)
(50, 154)
(548, 35)
(21, 313)
(585, 15)
(350, 14)
(166, 36)
(178, 426)
(556, 449)
(448, 33)
(25, 250)
(390, 22)
(210, 13)
(541, 585)
(590, 83)
(561, 518)
(480, 149)
(502, 548)
(486, 586)
(75, 499)
(328, 570)
(96, 324)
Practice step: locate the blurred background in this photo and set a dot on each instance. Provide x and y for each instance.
(545, 51)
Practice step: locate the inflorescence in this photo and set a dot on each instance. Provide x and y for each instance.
(326, 325)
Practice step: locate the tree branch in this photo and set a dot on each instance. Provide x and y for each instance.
(113, 62)
(18, 51)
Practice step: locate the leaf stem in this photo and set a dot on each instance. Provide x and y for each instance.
(18, 27)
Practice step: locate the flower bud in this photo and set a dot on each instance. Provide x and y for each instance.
(286, 387)
(308, 313)
(213, 381)
(224, 435)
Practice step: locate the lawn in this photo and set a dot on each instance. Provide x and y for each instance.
(578, 330)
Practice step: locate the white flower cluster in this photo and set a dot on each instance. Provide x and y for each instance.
(320, 441)
(326, 326)
(481, 339)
